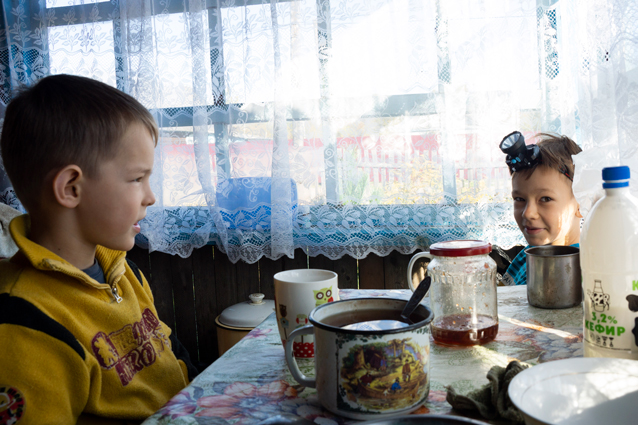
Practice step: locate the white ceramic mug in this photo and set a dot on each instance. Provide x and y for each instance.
(297, 293)
(367, 374)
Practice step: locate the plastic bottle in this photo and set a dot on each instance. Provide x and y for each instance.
(609, 265)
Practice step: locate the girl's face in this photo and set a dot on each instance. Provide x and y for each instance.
(545, 208)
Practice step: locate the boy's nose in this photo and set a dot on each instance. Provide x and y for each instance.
(150, 197)
(530, 210)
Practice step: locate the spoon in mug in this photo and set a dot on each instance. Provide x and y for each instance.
(411, 305)
(415, 299)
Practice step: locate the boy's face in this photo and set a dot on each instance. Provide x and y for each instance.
(545, 208)
(115, 200)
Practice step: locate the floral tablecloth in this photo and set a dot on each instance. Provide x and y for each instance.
(251, 383)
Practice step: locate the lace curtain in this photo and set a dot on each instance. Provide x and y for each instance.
(341, 127)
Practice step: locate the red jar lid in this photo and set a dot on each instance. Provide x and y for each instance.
(460, 248)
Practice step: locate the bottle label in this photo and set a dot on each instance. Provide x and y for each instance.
(611, 311)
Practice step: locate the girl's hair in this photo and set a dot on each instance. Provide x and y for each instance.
(555, 152)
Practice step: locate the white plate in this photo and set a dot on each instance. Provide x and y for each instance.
(578, 391)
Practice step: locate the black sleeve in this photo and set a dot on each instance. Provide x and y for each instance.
(181, 354)
(136, 271)
(503, 257)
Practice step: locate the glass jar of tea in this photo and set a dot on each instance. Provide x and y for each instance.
(463, 292)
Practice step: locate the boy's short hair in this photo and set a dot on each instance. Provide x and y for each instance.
(556, 153)
(63, 120)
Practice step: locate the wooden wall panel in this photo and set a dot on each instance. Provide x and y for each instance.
(184, 303)
(371, 274)
(142, 260)
(345, 267)
(300, 260)
(267, 270)
(395, 267)
(247, 280)
(162, 286)
(225, 281)
(206, 308)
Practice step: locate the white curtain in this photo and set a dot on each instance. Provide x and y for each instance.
(342, 127)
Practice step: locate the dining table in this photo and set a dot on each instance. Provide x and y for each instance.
(251, 382)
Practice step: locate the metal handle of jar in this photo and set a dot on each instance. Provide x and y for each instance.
(413, 260)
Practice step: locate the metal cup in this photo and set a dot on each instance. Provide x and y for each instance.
(553, 276)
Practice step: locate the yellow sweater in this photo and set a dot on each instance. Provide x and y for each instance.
(69, 351)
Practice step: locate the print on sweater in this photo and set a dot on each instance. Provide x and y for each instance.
(11, 405)
(131, 348)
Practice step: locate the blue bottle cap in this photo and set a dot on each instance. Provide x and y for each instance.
(616, 177)
(616, 173)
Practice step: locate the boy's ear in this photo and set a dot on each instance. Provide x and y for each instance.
(66, 186)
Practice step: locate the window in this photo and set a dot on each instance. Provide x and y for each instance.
(350, 127)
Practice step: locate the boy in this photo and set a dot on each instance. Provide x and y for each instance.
(545, 208)
(81, 341)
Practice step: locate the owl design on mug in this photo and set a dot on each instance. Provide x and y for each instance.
(323, 296)
(283, 311)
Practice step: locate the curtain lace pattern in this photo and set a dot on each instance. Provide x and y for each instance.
(341, 127)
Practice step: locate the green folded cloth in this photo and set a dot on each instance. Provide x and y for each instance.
(491, 401)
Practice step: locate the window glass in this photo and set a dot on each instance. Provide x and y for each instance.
(386, 47)
(249, 55)
(83, 49)
(176, 154)
(175, 55)
(478, 44)
(63, 3)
